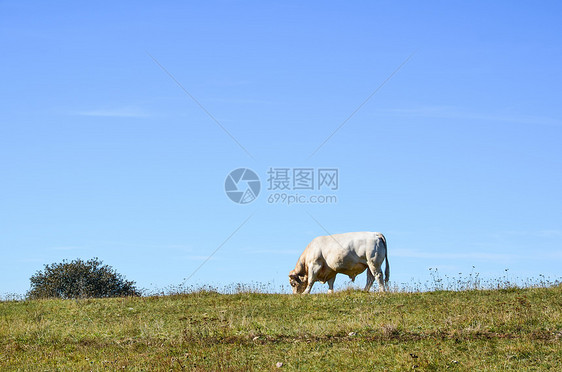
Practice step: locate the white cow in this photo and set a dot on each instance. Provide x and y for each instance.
(349, 253)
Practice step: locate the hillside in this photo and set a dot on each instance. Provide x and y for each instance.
(487, 329)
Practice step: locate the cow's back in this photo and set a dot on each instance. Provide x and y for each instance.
(347, 242)
(346, 253)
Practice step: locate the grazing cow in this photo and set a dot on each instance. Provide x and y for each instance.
(349, 253)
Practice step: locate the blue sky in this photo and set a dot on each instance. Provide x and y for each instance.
(456, 158)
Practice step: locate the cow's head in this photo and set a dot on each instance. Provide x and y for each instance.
(298, 282)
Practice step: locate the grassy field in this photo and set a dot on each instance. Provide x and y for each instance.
(519, 329)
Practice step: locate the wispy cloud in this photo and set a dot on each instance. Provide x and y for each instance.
(550, 233)
(536, 234)
(452, 112)
(199, 258)
(476, 255)
(119, 112)
(228, 82)
(546, 233)
(249, 101)
(275, 251)
(411, 253)
(67, 248)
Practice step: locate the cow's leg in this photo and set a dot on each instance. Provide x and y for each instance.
(331, 285)
(380, 280)
(370, 279)
(308, 287)
(377, 273)
(312, 276)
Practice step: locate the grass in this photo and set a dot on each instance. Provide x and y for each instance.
(500, 329)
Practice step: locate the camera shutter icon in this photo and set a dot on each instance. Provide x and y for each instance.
(242, 186)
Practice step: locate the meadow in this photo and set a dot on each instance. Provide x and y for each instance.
(509, 328)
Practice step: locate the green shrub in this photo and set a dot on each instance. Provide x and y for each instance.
(80, 279)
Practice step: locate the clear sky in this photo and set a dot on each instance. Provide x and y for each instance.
(119, 124)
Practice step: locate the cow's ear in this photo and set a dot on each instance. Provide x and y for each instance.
(295, 277)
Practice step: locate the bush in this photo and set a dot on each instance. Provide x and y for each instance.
(80, 279)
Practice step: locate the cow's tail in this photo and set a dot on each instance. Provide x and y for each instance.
(387, 268)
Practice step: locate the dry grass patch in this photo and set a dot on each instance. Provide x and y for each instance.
(476, 329)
